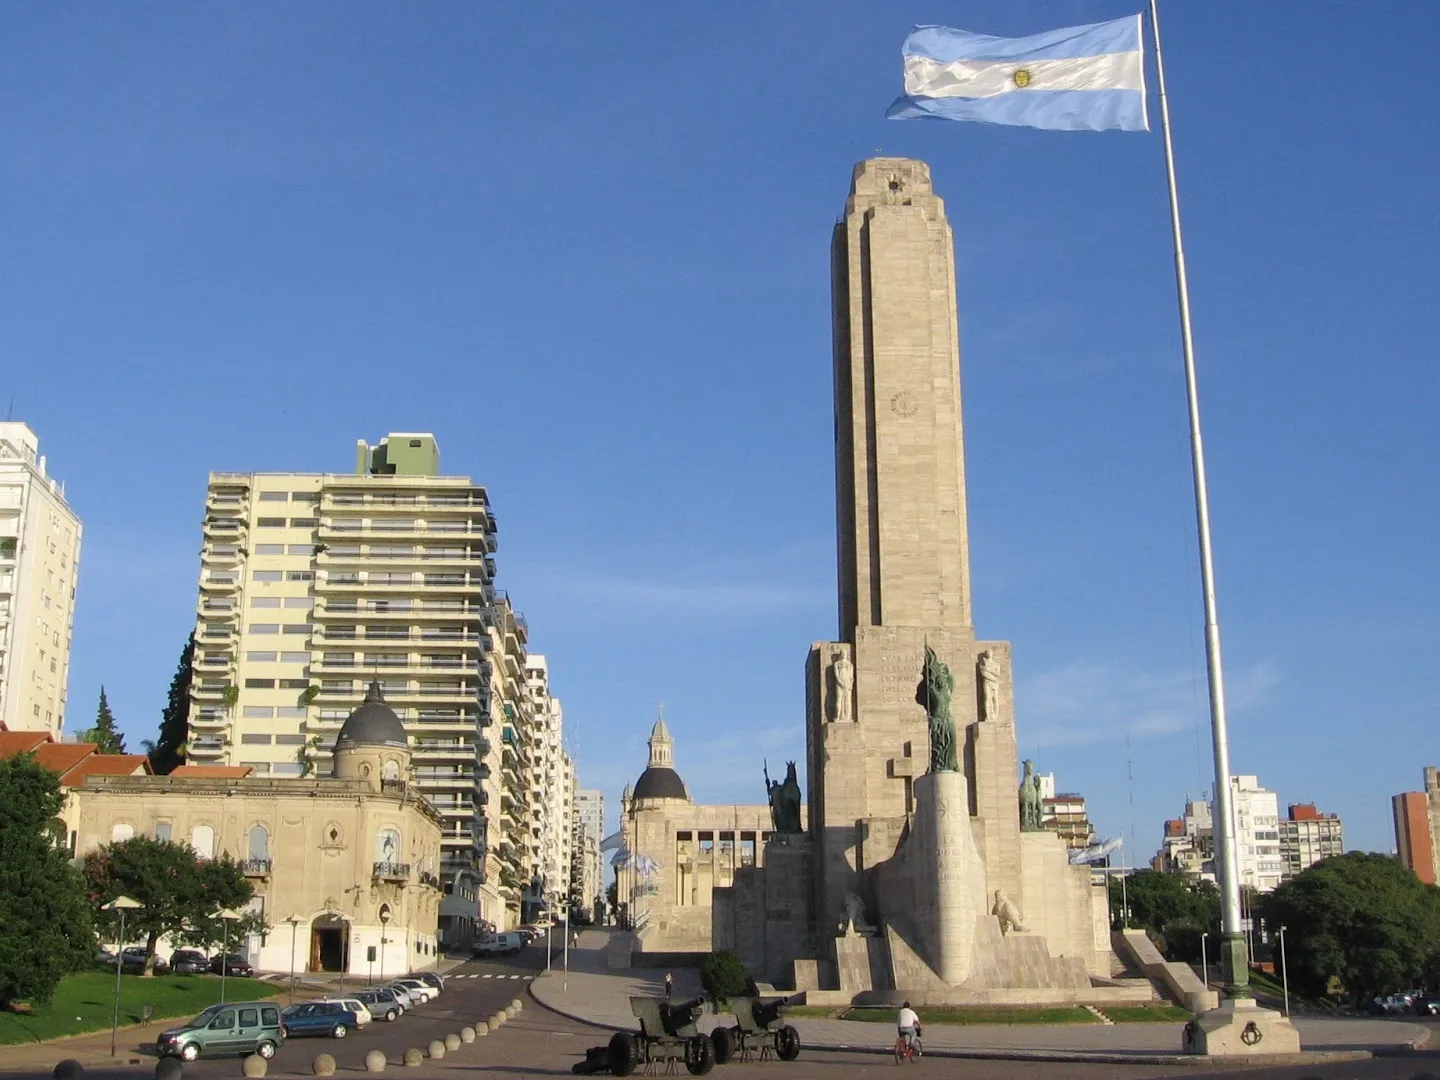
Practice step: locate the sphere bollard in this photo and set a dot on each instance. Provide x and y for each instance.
(375, 1061)
(413, 1056)
(253, 1066)
(452, 1042)
(436, 1049)
(516, 1005)
(323, 1065)
(482, 1028)
(69, 1069)
(467, 1034)
(498, 1019)
(169, 1068)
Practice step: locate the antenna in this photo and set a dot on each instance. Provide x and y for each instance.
(10, 408)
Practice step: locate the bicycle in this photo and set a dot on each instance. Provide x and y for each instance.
(907, 1048)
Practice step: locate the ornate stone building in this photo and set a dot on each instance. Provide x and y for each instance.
(346, 868)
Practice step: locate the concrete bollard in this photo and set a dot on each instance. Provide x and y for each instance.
(413, 1056)
(516, 1006)
(482, 1028)
(323, 1065)
(253, 1066)
(69, 1069)
(375, 1061)
(467, 1034)
(435, 1050)
(169, 1068)
(452, 1042)
(498, 1019)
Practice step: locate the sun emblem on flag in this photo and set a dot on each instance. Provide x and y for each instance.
(1021, 78)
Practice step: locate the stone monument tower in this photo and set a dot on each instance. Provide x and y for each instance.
(932, 851)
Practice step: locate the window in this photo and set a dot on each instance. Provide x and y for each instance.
(296, 684)
(258, 767)
(259, 842)
(202, 839)
(265, 601)
(295, 658)
(267, 575)
(249, 1018)
(288, 768)
(255, 740)
(289, 740)
(259, 684)
(305, 496)
(162, 831)
(290, 712)
(301, 549)
(297, 628)
(258, 712)
(302, 603)
(265, 628)
(300, 575)
(304, 523)
(387, 846)
(269, 549)
(274, 496)
(270, 523)
(261, 657)
(122, 831)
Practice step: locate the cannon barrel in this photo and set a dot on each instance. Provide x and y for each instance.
(767, 1012)
(680, 1014)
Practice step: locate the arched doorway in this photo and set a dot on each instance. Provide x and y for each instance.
(330, 943)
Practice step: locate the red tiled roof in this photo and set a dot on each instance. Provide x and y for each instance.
(211, 772)
(61, 757)
(107, 765)
(20, 742)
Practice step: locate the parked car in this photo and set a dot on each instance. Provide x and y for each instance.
(423, 989)
(1427, 1005)
(133, 959)
(105, 956)
(189, 962)
(354, 1004)
(404, 996)
(319, 1018)
(242, 1027)
(383, 1003)
(234, 964)
(433, 978)
(506, 944)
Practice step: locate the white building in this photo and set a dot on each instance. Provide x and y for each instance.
(551, 779)
(590, 810)
(39, 562)
(311, 584)
(1257, 834)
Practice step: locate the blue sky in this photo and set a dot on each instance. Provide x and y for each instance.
(586, 245)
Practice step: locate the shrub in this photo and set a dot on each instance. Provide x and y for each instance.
(723, 975)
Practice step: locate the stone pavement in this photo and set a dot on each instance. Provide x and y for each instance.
(594, 995)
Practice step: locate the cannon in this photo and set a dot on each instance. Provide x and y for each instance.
(667, 1034)
(760, 1025)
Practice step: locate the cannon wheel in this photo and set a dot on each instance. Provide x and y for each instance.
(724, 1045)
(622, 1053)
(699, 1055)
(787, 1043)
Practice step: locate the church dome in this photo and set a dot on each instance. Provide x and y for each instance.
(373, 724)
(658, 782)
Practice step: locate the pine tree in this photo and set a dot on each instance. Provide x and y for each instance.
(168, 750)
(104, 735)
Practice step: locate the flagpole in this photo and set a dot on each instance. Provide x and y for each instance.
(1237, 973)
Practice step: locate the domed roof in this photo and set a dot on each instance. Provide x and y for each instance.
(658, 782)
(373, 724)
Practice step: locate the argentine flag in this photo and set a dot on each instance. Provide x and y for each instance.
(1083, 78)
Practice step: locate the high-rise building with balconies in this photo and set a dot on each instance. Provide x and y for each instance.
(39, 561)
(314, 584)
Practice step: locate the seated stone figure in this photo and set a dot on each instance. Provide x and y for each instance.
(1008, 914)
(854, 922)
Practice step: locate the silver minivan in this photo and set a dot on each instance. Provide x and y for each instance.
(241, 1027)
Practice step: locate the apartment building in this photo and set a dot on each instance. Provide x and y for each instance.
(589, 875)
(314, 584)
(39, 564)
(550, 777)
(1257, 833)
(512, 851)
(1417, 827)
(1307, 836)
(1189, 844)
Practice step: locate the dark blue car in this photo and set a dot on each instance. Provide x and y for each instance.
(318, 1018)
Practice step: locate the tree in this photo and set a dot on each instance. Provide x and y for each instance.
(1169, 907)
(168, 751)
(1362, 918)
(45, 929)
(182, 895)
(104, 735)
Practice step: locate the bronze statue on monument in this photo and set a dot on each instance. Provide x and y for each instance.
(784, 802)
(933, 695)
(1031, 805)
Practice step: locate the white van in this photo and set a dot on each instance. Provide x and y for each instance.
(507, 944)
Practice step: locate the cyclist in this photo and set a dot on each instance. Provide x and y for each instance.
(909, 1024)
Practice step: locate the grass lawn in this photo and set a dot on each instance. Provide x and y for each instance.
(1142, 1014)
(981, 1014)
(85, 1002)
(812, 1012)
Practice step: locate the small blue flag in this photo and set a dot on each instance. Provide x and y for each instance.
(1082, 78)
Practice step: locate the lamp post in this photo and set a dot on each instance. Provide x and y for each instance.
(294, 921)
(1284, 972)
(384, 922)
(226, 917)
(1204, 962)
(121, 904)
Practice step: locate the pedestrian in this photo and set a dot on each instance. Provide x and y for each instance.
(575, 939)
(669, 984)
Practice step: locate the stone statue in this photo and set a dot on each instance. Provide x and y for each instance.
(1030, 804)
(933, 694)
(1008, 914)
(988, 668)
(784, 802)
(854, 921)
(843, 690)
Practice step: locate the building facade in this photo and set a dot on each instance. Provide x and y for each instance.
(39, 567)
(1417, 827)
(1257, 834)
(1307, 836)
(311, 584)
(590, 814)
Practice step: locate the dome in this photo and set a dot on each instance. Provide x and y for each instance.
(373, 724)
(658, 782)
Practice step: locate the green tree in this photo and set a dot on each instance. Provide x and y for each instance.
(104, 735)
(1169, 907)
(45, 929)
(1362, 918)
(168, 751)
(182, 895)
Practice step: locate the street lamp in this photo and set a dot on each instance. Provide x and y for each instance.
(121, 904)
(384, 922)
(1284, 971)
(1204, 962)
(294, 921)
(226, 917)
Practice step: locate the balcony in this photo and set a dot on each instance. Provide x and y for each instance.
(220, 582)
(391, 871)
(209, 721)
(256, 868)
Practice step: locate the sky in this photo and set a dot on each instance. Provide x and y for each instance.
(586, 245)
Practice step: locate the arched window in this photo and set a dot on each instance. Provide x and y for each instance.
(202, 839)
(387, 846)
(122, 831)
(390, 771)
(259, 843)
